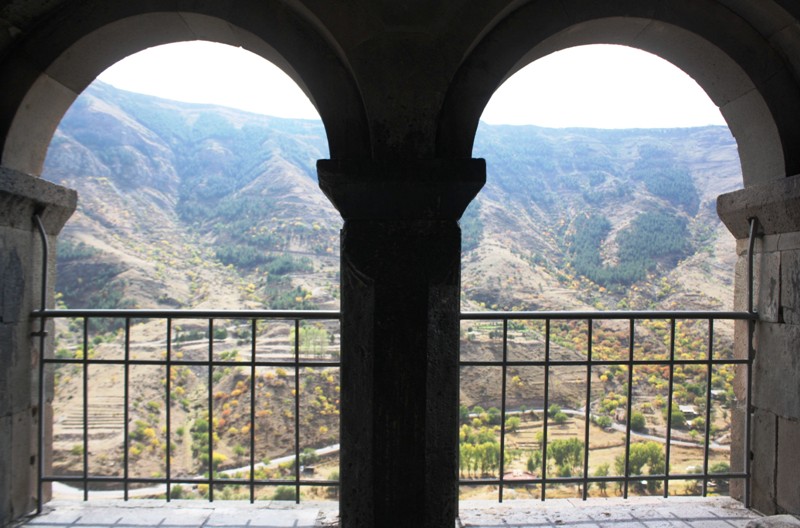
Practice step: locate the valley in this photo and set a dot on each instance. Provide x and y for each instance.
(189, 206)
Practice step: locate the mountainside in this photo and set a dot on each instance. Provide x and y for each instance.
(190, 206)
(186, 205)
(607, 219)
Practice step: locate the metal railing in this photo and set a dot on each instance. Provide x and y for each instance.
(83, 359)
(504, 363)
(634, 357)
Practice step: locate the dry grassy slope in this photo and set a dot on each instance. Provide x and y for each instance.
(129, 179)
(506, 270)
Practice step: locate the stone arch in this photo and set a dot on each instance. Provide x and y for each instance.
(739, 70)
(64, 56)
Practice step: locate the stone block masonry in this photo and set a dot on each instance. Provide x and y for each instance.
(21, 269)
(776, 366)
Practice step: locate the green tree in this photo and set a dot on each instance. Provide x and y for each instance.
(494, 415)
(643, 454)
(534, 462)
(560, 418)
(721, 484)
(566, 454)
(284, 493)
(602, 471)
(638, 422)
(678, 418)
(512, 424)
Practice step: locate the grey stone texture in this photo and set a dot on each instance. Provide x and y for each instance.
(636, 512)
(20, 293)
(400, 87)
(763, 447)
(776, 367)
(400, 265)
(788, 478)
(776, 204)
(775, 521)
(790, 287)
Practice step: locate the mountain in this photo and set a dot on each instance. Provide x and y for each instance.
(613, 219)
(185, 205)
(193, 206)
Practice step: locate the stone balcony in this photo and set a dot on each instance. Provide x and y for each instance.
(638, 512)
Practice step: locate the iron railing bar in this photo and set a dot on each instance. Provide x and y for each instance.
(503, 385)
(587, 419)
(192, 363)
(606, 315)
(600, 363)
(211, 410)
(297, 410)
(629, 405)
(546, 405)
(126, 402)
(169, 407)
(85, 408)
(579, 480)
(288, 315)
(253, 332)
(154, 480)
(708, 404)
(668, 446)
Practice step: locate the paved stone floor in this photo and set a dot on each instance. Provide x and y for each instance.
(641, 512)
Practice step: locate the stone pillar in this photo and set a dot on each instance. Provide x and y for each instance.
(20, 293)
(776, 370)
(400, 266)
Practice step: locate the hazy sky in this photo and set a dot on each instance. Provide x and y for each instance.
(588, 86)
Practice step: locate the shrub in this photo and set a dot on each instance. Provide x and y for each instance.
(638, 422)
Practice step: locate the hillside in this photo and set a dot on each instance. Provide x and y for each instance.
(189, 205)
(192, 206)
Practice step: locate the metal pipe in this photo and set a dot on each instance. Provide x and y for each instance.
(750, 358)
(41, 334)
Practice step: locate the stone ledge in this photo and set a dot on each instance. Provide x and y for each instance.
(776, 205)
(775, 521)
(21, 195)
(405, 190)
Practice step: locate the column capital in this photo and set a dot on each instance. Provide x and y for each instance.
(776, 204)
(423, 189)
(22, 194)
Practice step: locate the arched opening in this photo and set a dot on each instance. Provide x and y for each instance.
(591, 212)
(745, 90)
(44, 93)
(194, 206)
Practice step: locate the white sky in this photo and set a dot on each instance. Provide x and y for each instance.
(597, 86)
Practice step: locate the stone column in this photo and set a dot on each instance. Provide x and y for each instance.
(400, 266)
(776, 369)
(20, 293)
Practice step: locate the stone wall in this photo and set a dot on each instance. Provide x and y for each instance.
(20, 292)
(775, 440)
